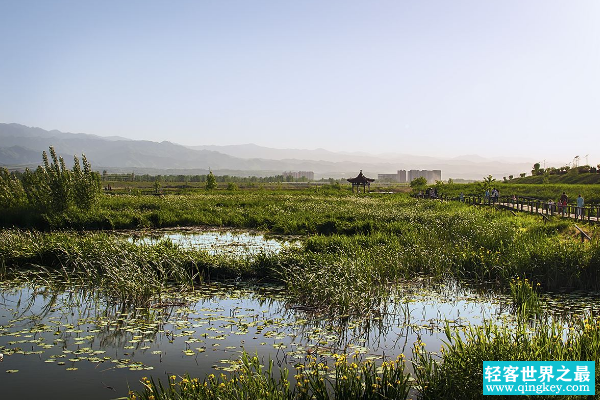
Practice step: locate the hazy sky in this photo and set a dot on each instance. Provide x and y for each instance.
(445, 78)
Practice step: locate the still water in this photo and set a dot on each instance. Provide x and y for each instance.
(235, 243)
(76, 343)
(73, 342)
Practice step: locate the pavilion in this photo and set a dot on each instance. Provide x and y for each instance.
(360, 180)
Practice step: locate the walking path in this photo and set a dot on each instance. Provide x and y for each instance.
(588, 214)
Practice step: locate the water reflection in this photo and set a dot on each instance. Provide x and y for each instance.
(75, 340)
(236, 243)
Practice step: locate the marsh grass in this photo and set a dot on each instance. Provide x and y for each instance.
(346, 379)
(456, 372)
(525, 298)
(355, 250)
(127, 270)
(366, 245)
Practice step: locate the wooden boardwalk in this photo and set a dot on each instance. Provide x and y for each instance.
(534, 206)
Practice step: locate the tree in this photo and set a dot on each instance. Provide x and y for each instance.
(11, 190)
(52, 187)
(418, 183)
(489, 180)
(536, 169)
(86, 183)
(211, 181)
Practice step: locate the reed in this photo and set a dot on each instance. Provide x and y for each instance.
(456, 372)
(526, 301)
(346, 379)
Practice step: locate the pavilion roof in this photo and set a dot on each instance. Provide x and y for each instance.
(360, 178)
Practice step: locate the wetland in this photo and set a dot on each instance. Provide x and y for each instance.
(281, 283)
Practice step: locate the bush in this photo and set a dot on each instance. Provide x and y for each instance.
(52, 187)
(12, 194)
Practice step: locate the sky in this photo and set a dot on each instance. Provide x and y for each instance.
(504, 78)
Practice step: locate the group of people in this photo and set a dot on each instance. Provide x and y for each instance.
(430, 193)
(492, 196)
(562, 204)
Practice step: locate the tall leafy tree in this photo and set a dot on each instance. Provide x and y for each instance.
(211, 181)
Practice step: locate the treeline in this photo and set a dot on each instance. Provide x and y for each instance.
(584, 169)
(198, 178)
(52, 187)
(132, 177)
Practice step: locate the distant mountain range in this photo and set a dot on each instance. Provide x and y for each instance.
(21, 146)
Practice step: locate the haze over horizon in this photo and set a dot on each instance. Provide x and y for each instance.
(498, 79)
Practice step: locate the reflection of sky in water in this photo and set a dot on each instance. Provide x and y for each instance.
(217, 242)
(113, 345)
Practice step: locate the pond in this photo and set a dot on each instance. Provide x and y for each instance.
(73, 342)
(214, 241)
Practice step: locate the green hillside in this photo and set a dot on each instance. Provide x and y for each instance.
(571, 177)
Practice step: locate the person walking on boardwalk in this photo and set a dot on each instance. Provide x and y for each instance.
(579, 207)
(562, 202)
(495, 195)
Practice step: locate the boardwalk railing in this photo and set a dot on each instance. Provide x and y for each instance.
(536, 206)
(530, 205)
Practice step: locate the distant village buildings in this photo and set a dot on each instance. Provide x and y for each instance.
(310, 175)
(403, 176)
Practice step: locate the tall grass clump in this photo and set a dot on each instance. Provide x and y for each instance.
(525, 297)
(313, 380)
(127, 269)
(457, 373)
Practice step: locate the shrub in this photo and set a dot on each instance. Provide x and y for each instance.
(54, 188)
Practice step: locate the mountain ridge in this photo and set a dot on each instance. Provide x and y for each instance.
(20, 144)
